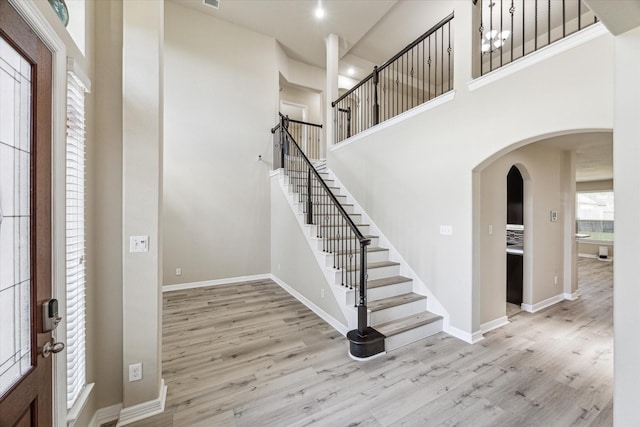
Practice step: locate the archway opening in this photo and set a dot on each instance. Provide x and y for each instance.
(515, 240)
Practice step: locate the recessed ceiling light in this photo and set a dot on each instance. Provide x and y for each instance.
(351, 71)
(319, 12)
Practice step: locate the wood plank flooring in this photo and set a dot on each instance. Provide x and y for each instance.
(251, 355)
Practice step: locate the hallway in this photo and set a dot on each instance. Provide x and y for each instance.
(247, 355)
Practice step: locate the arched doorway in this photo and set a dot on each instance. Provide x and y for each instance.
(515, 240)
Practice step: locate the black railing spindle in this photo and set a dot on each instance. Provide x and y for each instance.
(399, 84)
(560, 21)
(341, 238)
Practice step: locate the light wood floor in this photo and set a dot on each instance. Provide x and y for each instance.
(251, 355)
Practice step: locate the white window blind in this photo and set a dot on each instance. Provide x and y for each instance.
(75, 235)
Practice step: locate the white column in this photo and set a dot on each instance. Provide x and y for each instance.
(142, 115)
(331, 90)
(626, 292)
(570, 282)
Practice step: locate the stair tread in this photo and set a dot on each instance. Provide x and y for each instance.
(379, 264)
(385, 303)
(398, 326)
(386, 281)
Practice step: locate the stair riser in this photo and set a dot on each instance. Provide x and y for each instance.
(377, 256)
(302, 196)
(373, 273)
(396, 341)
(294, 178)
(397, 312)
(356, 218)
(300, 207)
(332, 231)
(318, 244)
(374, 294)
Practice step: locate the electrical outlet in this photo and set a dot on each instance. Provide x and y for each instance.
(178, 271)
(555, 279)
(490, 229)
(135, 372)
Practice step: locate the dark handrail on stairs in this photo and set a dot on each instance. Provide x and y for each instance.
(340, 236)
(418, 73)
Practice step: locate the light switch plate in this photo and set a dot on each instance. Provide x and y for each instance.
(139, 244)
(446, 230)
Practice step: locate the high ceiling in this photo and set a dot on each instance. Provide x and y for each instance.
(372, 31)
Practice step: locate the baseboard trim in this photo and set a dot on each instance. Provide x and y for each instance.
(494, 324)
(543, 304)
(572, 297)
(337, 325)
(145, 409)
(106, 415)
(217, 282)
(470, 338)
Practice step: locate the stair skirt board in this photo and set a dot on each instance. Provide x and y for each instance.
(392, 303)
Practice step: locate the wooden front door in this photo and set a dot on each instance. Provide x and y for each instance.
(25, 222)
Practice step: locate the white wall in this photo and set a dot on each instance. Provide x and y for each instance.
(220, 102)
(417, 175)
(104, 199)
(142, 136)
(307, 97)
(542, 168)
(626, 292)
(293, 261)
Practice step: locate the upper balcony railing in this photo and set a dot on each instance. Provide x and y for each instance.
(511, 29)
(417, 74)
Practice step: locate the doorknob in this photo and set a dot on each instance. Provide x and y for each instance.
(52, 347)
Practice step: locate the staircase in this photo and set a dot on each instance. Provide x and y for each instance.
(393, 308)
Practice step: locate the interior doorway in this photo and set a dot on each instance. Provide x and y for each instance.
(515, 240)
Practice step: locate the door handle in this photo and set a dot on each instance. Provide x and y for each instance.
(52, 347)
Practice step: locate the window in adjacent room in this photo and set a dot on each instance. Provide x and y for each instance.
(594, 215)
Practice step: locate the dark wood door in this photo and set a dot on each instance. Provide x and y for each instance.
(25, 222)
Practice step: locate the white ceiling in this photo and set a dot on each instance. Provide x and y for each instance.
(370, 31)
(293, 24)
(594, 154)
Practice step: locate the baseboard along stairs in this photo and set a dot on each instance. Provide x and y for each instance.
(393, 308)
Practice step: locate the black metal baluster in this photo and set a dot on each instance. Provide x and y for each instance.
(435, 68)
(442, 61)
(535, 40)
(309, 199)
(376, 107)
(579, 15)
(549, 24)
(500, 35)
(523, 34)
(449, 55)
(512, 9)
(481, 30)
(490, 31)
(429, 74)
(423, 67)
(564, 20)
